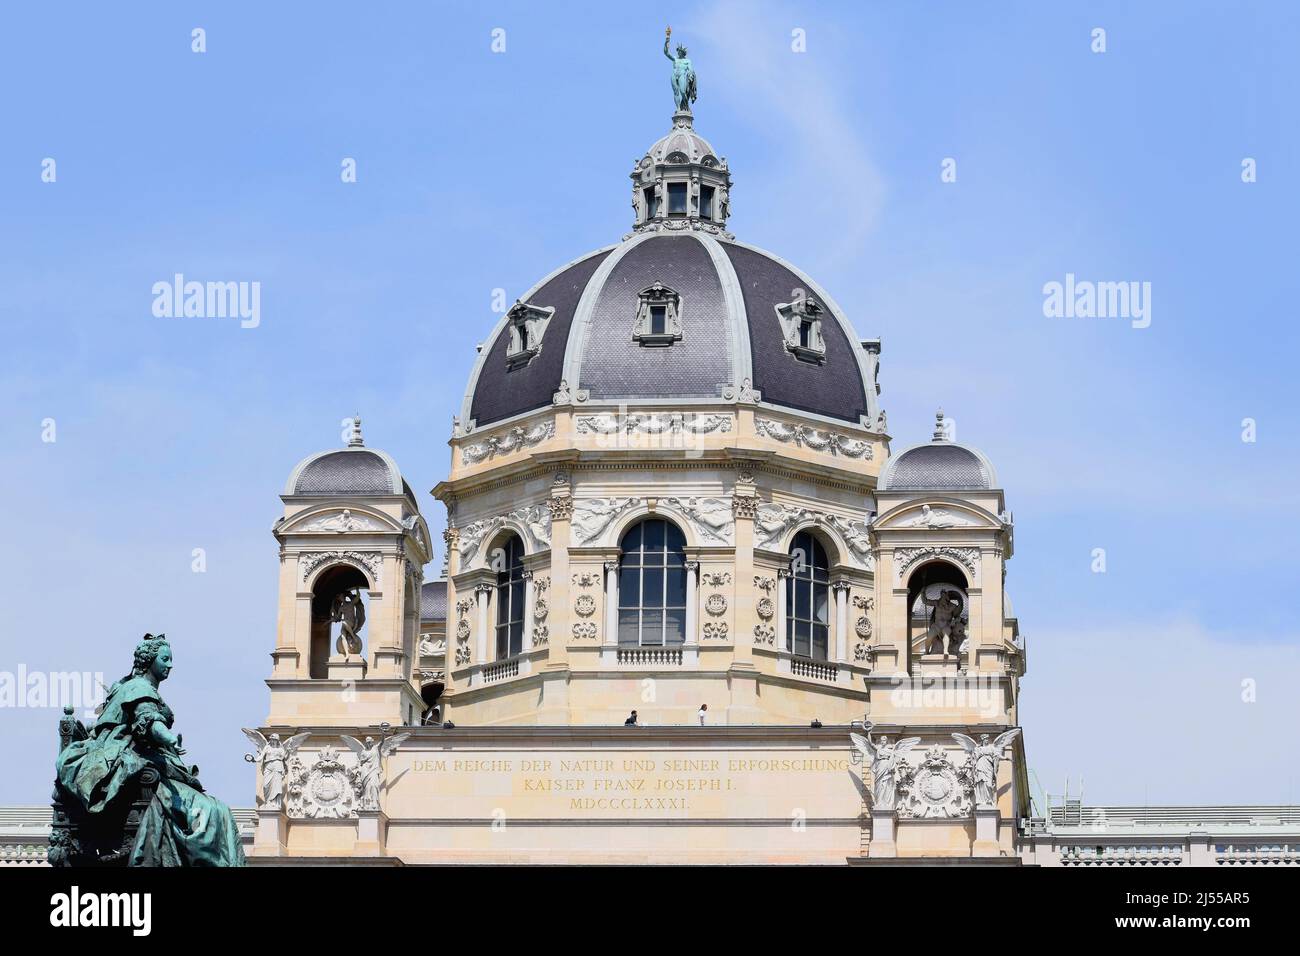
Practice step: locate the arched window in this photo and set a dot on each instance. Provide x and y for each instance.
(652, 585)
(508, 559)
(807, 599)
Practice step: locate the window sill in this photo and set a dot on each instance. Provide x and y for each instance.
(805, 354)
(520, 359)
(657, 339)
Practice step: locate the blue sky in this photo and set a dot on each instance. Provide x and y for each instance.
(479, 171)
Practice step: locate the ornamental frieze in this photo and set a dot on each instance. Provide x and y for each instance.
(512, 441)
(803, 436)
(371, 561)
(674, 423)
(968, 558)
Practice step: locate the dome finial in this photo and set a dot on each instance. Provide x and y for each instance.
(940, 427)
(354, 437)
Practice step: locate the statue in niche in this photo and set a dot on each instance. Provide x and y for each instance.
(272, 758)
(122, 793)
(349, 613)
(370, 766)
(886, 760)
(684, 85)
(946, 626)
(984, 758)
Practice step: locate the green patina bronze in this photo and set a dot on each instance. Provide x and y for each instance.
(684, 86)
(126, 771)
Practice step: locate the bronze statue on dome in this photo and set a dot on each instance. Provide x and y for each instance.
(684, 84)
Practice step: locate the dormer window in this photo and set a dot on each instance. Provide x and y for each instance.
(801, 326)
(676, 199)
(706, 202)
(658, 316)
(526, 325)
(651, 202)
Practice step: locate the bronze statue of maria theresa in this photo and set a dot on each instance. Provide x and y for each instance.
(122, 794)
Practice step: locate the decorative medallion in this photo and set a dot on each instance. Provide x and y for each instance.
(323, 790)
(936, 788)
(766, 608)
(716, 605)
(585, 605)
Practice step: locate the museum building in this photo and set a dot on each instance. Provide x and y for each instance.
(681, 562)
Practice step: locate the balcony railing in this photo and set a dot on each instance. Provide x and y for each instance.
(817, 670)
(650, 656)
(501, 670)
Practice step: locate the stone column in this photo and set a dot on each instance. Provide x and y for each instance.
(611, 604)
(481, 593)
(529, 598)
(841, 590)
(692, 601)
(782, 577)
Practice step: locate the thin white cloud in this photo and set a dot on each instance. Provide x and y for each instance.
(818, 156)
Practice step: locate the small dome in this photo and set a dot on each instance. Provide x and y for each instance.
(942, 465)
(355, 470)
(682, 146)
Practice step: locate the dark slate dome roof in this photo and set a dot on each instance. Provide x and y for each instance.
(942, 465)
(433, 601)
(731, 332)
(354, 470)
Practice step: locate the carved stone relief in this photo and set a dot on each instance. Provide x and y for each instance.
(512, 441)
(534, 518)
(371, 561)
(968, 558)
(802, 436)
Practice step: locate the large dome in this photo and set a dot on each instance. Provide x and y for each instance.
(731, 331)
(677, 311)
